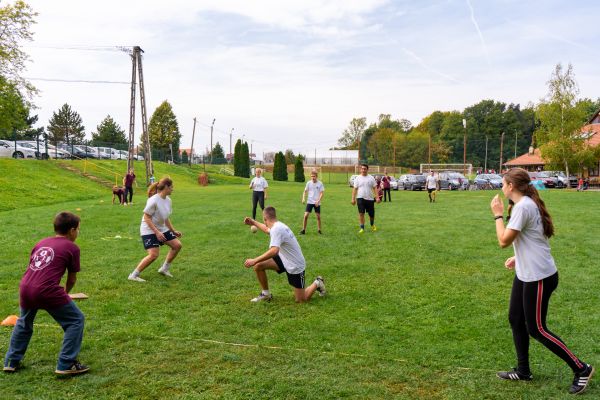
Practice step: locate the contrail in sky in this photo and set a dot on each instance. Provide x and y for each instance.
(487, 56)
(427, 67)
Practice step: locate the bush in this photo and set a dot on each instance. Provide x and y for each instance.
(299, 170)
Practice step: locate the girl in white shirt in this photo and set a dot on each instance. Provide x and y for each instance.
(536, 276)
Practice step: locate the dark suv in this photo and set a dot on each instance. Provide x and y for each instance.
(411, 182)
(453, 181)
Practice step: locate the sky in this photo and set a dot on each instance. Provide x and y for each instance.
(293, 74)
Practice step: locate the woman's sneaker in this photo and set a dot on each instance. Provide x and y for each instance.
(75, 369)
(514, 375)
(262, 297)
(581, 380)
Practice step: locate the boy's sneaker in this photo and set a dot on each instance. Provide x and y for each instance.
(361, 230)
(135, 278)
(581, 380)
(165, 272)
(75, 369)
(514, 375)
(373, 228)
(302, 232)
(321, 286)
(12, 366)
(262, 297)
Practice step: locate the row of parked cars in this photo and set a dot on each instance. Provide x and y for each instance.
(451, 180)
(33, 149)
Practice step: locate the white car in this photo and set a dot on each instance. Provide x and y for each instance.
(108, 153)
(8, 149)
(53, 152)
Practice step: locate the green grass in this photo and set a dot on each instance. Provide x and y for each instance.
(416, 310)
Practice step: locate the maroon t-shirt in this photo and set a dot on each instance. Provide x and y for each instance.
(40, 286)
(129, 179)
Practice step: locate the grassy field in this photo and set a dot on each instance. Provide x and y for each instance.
(417, 310)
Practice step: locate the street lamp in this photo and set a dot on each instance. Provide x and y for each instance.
(465, 148)
(230, 136)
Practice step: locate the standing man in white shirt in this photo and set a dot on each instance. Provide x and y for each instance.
(284, 255)
(432, 184)
(315, 189)
(364, 195)
(259, 186)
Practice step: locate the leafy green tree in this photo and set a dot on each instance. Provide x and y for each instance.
(352, 134)
(561, 117)
(237, 158)
(13, 109)
(66, 125)
(163, 130)
(245, 160)
(218, 155)
(108, 132)
(381, 146)
(184, 157)
(299, 171)
(16, 21)
(290, 157)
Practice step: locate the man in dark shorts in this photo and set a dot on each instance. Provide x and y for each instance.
(364, 195)
(284, 255)
(40, 290)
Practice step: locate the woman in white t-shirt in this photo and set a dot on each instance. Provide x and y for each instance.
(259, 186)
(536, 276)
(156, 229)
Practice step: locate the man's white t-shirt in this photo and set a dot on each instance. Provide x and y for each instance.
(159, 209)
(364, 186)
(314, 189)
(259, 184)
(431, 182)
(532, 250)
(289, 249)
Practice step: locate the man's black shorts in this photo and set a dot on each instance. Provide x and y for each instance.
(296, 280)
(150, 241)
(429, 190)
(365, 205)
(309, 208)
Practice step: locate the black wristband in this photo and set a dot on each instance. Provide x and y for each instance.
(498, 217)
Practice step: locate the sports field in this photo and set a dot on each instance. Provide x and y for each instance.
(417, 310)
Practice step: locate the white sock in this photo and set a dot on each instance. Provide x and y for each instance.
(135, 273)
(165, 266)
(266, 292)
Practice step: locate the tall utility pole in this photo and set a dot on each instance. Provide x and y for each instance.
(465, 148)
(211, 138)
(230, 137)
(501, 146)
(192, 148)
(485, 164)
(516, 133)
(429, 157)
(136, 67)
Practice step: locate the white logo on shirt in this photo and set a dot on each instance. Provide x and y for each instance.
(41, 258)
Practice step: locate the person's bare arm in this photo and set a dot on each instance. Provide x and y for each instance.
(71, 279)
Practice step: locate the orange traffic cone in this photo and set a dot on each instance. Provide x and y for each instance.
(11, 320)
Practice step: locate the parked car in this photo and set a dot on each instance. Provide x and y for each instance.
(53, 152)
(79, 151)
(411, 182)
(562, 181)
(453, 180)
(543, 176)
(8, 149)
(393, 183)
(488, 181)
(108, 153)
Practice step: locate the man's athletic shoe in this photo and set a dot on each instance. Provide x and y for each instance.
(262, 297)
(321, 286)
(361, 230)
(135, 278)
(373, 228)
(302, 232)
(514, 375)
(320, 233)
(581, 380)
(12, 366)
(75, 369)
(165, 272)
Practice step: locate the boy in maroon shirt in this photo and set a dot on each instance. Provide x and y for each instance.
(128, 183)
(40, 290)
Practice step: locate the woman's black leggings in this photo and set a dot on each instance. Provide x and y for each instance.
(527, 316)
(387, 194)
(257, 197)
(128, 192)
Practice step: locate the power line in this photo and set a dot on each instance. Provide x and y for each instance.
(77, 81)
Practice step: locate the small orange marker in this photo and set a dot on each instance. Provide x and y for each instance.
(11, 320)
